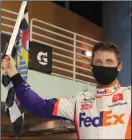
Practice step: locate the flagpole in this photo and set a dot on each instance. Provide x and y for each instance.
(14, 109)
(16, 28)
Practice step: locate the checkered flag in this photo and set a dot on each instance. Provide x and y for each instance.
(14, 109)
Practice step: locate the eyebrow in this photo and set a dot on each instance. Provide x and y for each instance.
(109, 59)
(97, 60)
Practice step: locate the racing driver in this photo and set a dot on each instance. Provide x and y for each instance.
(102, 114)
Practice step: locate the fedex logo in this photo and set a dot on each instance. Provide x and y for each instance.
(101, 92)
(104, 119)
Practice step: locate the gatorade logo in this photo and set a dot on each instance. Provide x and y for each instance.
(104, 119)
(42, 58)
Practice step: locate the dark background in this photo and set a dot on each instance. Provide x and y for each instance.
(91, 10)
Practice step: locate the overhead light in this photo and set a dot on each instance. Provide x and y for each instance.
(88, 53)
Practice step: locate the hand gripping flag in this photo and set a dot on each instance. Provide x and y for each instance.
(14, 108)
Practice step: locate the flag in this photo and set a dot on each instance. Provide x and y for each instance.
(14, 108)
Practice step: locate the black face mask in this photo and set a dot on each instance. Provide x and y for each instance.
(104, 75)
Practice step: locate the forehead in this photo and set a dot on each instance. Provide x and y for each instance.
(101, 54)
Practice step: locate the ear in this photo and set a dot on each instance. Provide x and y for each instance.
(120, 66)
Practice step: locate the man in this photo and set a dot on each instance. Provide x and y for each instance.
(104, 114)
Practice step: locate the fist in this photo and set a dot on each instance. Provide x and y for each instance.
(8, 66)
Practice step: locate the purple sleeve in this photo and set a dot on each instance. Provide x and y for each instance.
(31, 101)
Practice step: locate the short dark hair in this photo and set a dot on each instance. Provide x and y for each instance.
(107, 46)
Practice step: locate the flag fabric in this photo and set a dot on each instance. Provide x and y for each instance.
(14, 109)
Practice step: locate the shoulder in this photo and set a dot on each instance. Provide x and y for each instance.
(85, 94)
(126, 90)
(129, 87)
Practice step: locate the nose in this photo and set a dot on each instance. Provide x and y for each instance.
(104, 64)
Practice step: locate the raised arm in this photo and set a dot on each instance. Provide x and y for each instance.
(32, 101)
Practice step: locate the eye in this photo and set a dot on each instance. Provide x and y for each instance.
(109, 61)
(97, 62)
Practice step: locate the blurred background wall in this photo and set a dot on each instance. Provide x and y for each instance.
(117, 28)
